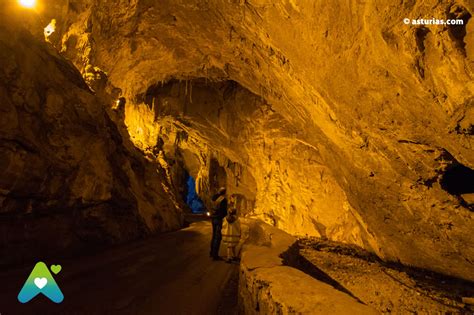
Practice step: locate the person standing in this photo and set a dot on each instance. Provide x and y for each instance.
(219, 212)
(231, 233)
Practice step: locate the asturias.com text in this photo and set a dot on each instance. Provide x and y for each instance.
(433, 21)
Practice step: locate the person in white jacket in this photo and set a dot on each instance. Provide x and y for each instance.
(231, 233)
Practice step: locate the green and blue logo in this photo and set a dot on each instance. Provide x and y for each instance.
(41, 281)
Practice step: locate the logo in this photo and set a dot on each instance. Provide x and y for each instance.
(41, 281)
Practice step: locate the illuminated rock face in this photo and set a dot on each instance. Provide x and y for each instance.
(335, 120)
(68, 180)
(222, 134)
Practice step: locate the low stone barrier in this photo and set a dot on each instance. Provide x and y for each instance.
(267, 286)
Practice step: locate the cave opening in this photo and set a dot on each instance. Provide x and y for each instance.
(192, 199)
(458, 180)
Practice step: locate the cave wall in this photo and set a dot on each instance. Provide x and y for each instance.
(69, 181)
(276, 177)
(385, 109)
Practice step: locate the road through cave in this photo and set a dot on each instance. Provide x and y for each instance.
(336, 128)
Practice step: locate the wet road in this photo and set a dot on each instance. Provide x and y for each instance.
(167, 274)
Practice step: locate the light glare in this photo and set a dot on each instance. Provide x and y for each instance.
(27, 3)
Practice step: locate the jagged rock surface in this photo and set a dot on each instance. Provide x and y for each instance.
(68, 180)
(356, 120)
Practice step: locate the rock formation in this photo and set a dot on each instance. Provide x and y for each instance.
(69, 180)
(325, 119)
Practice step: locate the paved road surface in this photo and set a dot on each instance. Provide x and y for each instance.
(168, 274)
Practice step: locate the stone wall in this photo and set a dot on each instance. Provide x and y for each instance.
(267, 286)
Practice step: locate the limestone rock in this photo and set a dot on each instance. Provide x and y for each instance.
(332, 119)
(69, 181)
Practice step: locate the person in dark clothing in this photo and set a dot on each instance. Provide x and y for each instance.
(219, 212)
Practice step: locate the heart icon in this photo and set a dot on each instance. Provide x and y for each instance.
(41, 282)
(56, 268)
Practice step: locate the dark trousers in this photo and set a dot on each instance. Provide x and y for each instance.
(216, 236)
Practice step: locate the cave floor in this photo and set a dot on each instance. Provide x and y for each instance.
(389, 288)
(167, 274)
